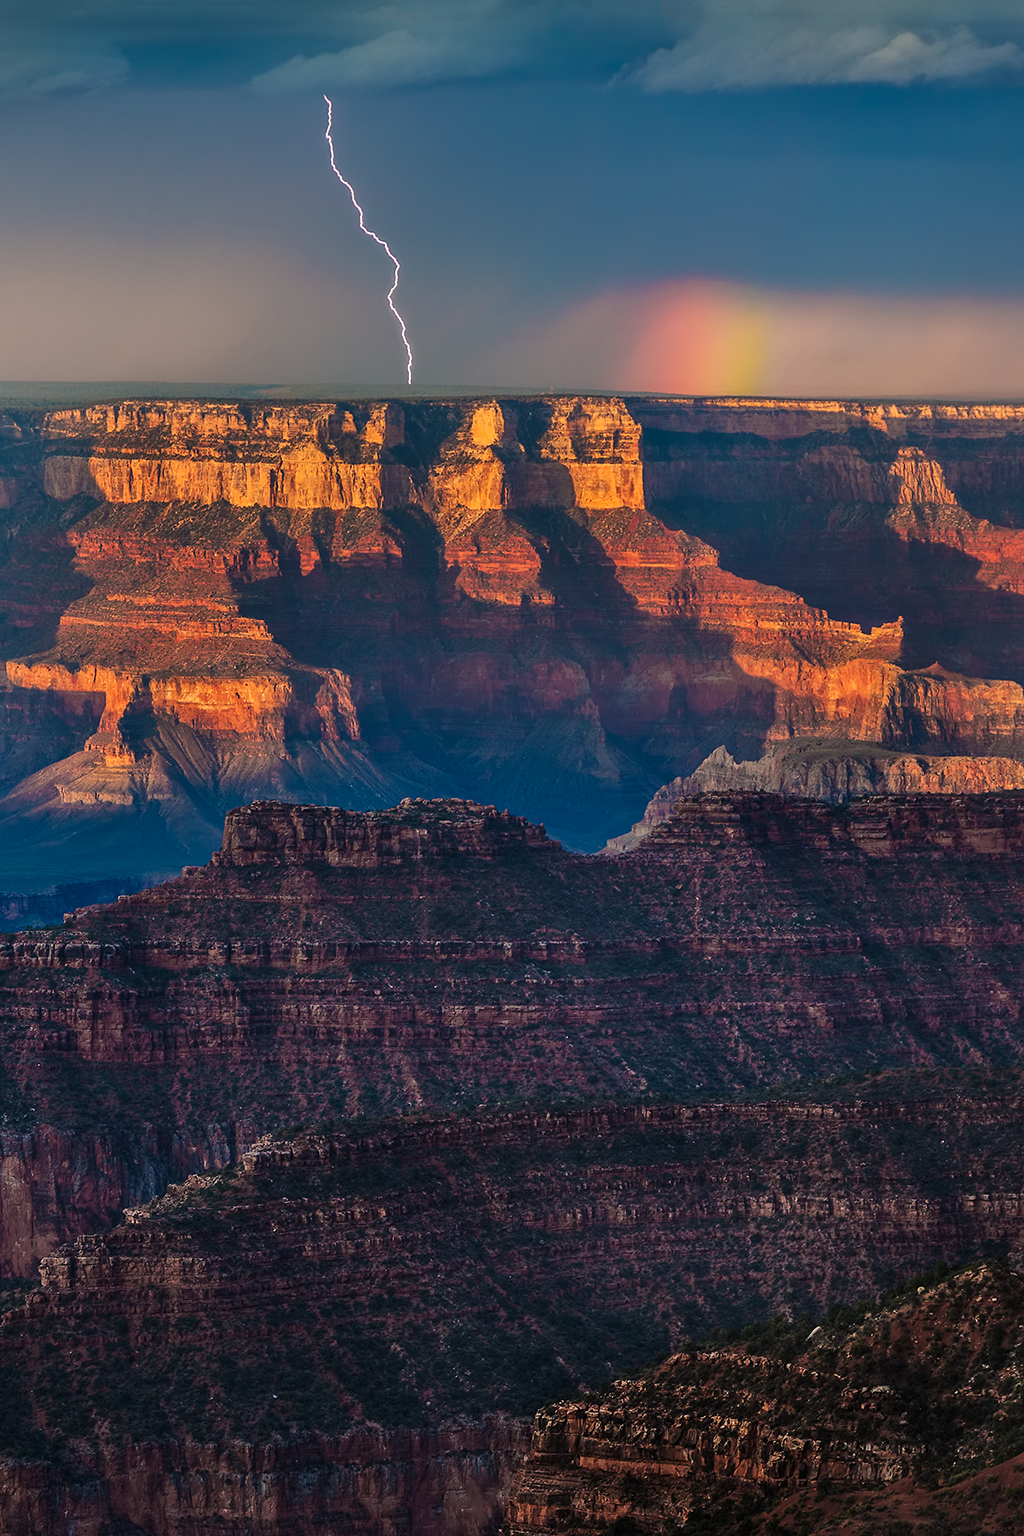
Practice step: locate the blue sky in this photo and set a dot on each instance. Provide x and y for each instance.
(166, 209)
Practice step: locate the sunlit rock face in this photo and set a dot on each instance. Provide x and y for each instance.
(557, 604)
(827, 769)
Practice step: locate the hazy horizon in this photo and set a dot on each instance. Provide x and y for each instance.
(821, 197)
(43, 393)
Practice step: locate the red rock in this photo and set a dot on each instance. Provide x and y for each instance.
(312, 1338)
(443, 954)
(862, 1414)
(557, 603)
(834, 771)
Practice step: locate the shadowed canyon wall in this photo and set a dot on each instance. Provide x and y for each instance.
(333, 964)
(883, 1411)
(556, 605)
(348, 1328)
(553, 604)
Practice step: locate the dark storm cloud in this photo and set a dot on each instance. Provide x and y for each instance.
(655, 45)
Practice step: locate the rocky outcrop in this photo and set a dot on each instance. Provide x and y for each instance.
(741, 1437)
(831, 771)
(415, 831)
(557, 603)
(59, 1181)
(351, 1324)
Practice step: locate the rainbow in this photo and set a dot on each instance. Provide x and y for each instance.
(700, 337)
(703, 336)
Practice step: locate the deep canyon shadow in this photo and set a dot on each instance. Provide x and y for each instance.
(869, 575)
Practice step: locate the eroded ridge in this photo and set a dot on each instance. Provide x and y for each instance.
(558, 603)
(269, 832)
(444, 955)
(353, 1324)
(890, 1410)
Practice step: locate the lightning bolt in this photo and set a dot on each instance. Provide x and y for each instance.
(367, 231)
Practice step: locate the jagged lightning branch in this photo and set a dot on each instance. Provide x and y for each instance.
(367, 231)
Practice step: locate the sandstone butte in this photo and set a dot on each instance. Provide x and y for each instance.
(349, 1329)
(557, 604)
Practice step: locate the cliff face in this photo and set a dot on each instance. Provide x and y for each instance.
(927, 1384)
(57, 1181)
(348, 1328)
(442, 954)
(557, 603)
(415, 832)
(919, 504)
(370, 1482)
(833, 771)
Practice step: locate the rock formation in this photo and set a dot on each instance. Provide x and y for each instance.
(560, 1110)
(883, 1410)
(350, 1326)
(443, 954)
(557, 603)
(834, 771)
(46, 908)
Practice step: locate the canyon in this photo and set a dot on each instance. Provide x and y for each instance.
(563, 1113)
(249, 1351)
(444, 955)
(557, 604)
(354, 1110)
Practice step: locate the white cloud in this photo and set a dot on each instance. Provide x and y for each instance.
(659, 45)
(395, 59)
(747, 49)
(908, 57)
(27, 72)
(717, 45)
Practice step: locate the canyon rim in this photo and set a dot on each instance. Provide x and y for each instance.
(556, 605)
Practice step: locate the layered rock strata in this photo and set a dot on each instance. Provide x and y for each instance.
(348, 1327)
(369, 1482)
(47, 909)
(560, 603)
(833, 771)
(872, 1415)
(444, 954)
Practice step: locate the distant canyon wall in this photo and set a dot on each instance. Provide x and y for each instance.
(557, 604)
